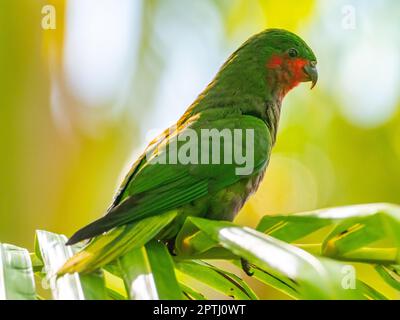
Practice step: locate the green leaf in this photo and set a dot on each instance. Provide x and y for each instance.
(370, 255)
(353, 234)
(190, 293)
(149, 273)
(51, 249)
(354, 228)
(37, 263)
(114, 295)
(369, 292)
(137, 276)
(16, 274)
(390, 274)
(192, 243)
(315, 278)
(282, 284)
(162, 267)
(291, 228)
(222, 281)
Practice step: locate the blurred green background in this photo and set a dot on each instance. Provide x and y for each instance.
(79, 102)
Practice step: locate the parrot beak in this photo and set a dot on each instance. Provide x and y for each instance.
(311, 70)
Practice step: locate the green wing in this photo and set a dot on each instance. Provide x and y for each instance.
(154, 187)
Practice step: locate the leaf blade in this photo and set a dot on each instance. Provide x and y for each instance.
(53, 252)
(148, 273)
(390, 274)
(280, 259)
(354, 228)
(16, 274)
(222, 281)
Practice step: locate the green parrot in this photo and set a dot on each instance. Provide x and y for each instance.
(157, 195)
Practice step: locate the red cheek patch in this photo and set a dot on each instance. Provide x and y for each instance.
(289, 71)
(275, 61)
(296, 66)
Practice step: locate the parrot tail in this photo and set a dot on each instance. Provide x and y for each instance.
(107, 247)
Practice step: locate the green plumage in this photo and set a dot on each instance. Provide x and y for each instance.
(243, 95)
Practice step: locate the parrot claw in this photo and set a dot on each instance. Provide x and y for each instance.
(246, 267)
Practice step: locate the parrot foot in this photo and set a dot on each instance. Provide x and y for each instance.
(246, 267)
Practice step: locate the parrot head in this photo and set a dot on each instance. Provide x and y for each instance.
(290, 58)
(279, 56)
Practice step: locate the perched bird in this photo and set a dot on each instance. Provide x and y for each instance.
(246, 94)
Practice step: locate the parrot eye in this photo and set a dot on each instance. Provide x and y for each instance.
(293, 53)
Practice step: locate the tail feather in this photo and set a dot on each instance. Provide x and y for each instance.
(106, 248)
(114, 218)
(91, 230)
